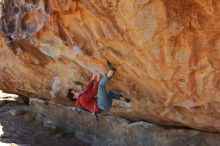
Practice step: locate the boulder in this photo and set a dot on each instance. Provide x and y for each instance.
(111, 130)
(167, 54)
(28, 117)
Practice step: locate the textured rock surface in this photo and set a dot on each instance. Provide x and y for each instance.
(22, 18)
(114, 131)
(167, 53)
(18, 131)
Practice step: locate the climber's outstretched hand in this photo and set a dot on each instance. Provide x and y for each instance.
(93, 76)
(98, 76)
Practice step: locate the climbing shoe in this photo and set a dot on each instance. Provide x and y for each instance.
(110, 66)
(127, 100)
(124, 98)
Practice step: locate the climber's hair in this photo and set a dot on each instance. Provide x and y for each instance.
(70, 95)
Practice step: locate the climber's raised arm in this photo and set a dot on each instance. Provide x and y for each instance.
(91, 82)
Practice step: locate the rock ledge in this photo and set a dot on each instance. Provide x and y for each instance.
(115, 131)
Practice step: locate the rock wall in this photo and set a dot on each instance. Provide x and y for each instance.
(167, 53)
(115, 131)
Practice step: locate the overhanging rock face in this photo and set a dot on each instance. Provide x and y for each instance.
(22, 18)
(167, 54)
(115, 131)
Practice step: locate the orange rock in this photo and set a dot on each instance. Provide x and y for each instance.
(166, 53)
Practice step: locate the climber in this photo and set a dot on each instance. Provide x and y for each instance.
(87, 99)
(105, 98)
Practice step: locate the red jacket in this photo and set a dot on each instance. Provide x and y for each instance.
(87, 100)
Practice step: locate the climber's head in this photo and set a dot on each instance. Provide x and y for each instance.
(73, 94)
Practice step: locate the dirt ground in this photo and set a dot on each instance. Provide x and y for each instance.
(18, 128)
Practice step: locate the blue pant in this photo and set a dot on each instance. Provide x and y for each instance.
(105, 98)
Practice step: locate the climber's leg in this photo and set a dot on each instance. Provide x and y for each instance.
(103, 100)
